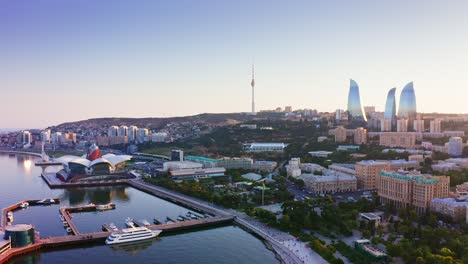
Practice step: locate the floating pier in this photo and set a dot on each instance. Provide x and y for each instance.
(15, 207)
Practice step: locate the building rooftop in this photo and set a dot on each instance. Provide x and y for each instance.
(200, 158)
(328, 178)
(372, 162)
(370, 216)
(183, 172)
(411, 176)
(264, 162)
(461, 201)
(252, 176)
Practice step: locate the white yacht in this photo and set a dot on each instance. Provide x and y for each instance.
(131, 234)
(103, 207)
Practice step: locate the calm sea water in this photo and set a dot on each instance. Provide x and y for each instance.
(20, 180)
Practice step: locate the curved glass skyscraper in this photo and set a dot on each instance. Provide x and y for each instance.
(390, 105)
(354, 102)
(407, 107)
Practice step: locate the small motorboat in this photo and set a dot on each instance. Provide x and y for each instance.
(103, 207)
(113, 227)
(129, 222)
(24, 205)
(10, 216)
(46, 202)
(69, 230)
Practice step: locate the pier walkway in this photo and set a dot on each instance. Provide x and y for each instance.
(287, 255)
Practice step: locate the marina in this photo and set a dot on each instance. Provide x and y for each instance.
(86, 221)
(187, 222)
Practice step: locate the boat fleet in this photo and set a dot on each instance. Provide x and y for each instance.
(137, 230)
(180, 218)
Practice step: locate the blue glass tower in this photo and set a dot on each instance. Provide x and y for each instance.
(354, 102)
(390, 105)
(407, 107)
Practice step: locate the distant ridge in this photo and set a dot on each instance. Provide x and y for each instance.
(221, 119)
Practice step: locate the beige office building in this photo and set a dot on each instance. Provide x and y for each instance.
(411, 189)
(331, 183)
(386, 125)
(435, 126)
(396, 139)
(340, 134)
(418, 125)
(360, 136)
(368, 172)
(402, 125)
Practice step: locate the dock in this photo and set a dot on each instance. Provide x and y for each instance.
(54, 183)
(16, 206)
(64, 212)
(83, 238)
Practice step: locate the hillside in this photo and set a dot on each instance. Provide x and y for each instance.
(159, 122)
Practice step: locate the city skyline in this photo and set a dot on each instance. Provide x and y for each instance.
(170, 59)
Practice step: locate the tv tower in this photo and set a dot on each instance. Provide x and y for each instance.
(252, 83)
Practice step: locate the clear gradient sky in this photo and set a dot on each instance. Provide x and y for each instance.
(71, 60)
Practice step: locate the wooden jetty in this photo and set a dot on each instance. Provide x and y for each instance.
(82, 238)
(17, 206)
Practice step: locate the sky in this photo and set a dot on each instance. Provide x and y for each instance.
(73, 60)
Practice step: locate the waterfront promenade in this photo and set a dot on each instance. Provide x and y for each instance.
(279, 240)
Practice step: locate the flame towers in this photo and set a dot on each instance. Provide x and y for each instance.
(407, 107)
(390, 105)
(355, 109)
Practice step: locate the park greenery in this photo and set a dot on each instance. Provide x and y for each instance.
(223, 192)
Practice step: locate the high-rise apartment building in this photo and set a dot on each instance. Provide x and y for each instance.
(407, 107)
(418, 125)
(340, 134)
(368, 172)
(113, 131)
(123, 131)
(142, 135)
(132, 133)
(386, 125)
(402, 125)
(396, 139)
(354, 102)
(455, 146)
(435, 126)
(360, 136)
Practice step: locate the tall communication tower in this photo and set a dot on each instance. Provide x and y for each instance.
(252, 83)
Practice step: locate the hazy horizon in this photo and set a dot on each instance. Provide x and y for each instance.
(66, 61)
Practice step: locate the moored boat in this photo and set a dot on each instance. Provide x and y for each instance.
(131, 234)
(129, 222)
(103, 207)
(46, 202)
(10, 216)
(24, 205)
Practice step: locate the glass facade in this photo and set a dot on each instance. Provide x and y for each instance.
(407, 107)
(354, 102)
(390, 105)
